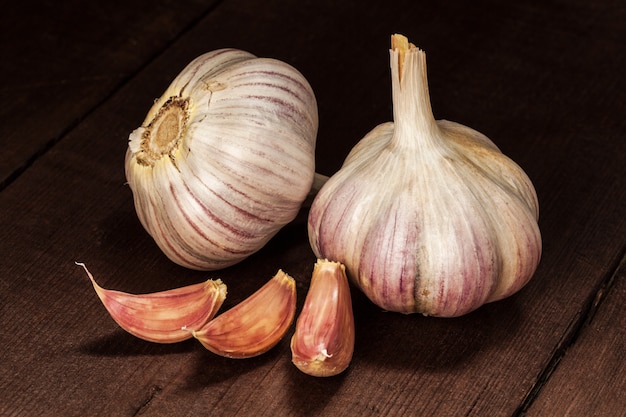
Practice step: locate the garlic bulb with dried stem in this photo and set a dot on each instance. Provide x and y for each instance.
(224, 158)
(427, 216)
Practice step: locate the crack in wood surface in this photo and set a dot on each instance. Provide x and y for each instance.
(578, 324)
(152, 394)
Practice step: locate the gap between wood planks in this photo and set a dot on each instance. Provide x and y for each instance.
(4, 183)
(571, 335)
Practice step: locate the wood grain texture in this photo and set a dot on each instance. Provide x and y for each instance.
(62, 60)
(590, 378)
(543, 81)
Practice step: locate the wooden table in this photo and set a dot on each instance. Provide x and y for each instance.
(544, 80)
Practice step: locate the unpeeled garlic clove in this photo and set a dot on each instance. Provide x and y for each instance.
(256, 324)
(323, 342)
(158, 317)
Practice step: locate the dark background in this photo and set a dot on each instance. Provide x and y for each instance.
(544, 80)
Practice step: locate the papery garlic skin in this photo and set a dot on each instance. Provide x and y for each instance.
(256, 324)
(428, 216)
(159, 317)
(224, 158)
(323, 343)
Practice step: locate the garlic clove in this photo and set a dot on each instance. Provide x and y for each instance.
(255, 325)
(158, 317)
(323, 342)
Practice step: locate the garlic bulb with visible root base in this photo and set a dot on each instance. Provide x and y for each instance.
(427, 216)
(224, 159)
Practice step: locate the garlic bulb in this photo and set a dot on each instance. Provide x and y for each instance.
(428, 216)
(224, 158)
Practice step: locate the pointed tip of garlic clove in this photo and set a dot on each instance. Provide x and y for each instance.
(161, 316)
(255, 325)
(323, 342)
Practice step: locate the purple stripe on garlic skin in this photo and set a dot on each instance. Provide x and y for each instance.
(204, 221)
(288, 84)
(427, 216)
(234, 135)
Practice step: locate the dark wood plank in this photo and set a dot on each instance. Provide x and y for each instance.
(590, 380)
(61, 60)
(527, 75)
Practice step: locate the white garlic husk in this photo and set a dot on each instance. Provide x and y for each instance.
(428, 216)
(224, 158)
